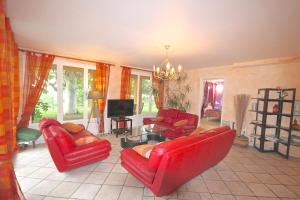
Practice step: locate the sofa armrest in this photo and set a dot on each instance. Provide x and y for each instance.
(131, 156)
(148, 120)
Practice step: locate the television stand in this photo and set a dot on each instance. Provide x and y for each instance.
(120, 130)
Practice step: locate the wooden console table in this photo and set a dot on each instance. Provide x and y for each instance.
(118, 130)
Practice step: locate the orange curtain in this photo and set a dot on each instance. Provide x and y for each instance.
(102, 82)
(158, 86)
(9, 105)
(125, 83)
(37, 68)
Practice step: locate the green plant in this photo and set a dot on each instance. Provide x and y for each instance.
(177, 92)
(40, 108)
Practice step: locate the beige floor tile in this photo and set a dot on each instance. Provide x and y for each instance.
(132, 193)
(211, 175)
(65, 189)
(196, 185)
(228, 176)
(266, 178)
(28, 183)
(57, 176)
(285, 179)
(97, 178)
(205, 196)
(217, 187)
(247, 177)
(33, 196)
(132, 181)
(189, 195)
(116, 179)
(55, 198)
(239, 188)
(41, 173)
(148, 198)
(108, 192)
(148, 192)
(104, 167)
(77, 176)
(282, 191)
(238, 168)
(255, 169)
(222, 167)
(245, 198)
(295, 189)
(44, 187)
(26, 171)
(222, 197)
(260, 190)
(86, 191)
(119, 169)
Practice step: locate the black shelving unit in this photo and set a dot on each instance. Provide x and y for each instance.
(273, 130)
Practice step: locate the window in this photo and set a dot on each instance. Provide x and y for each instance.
(91, 87)
(141, 92)
(47, 104)
(134, 88)
(65, 94)
(73, 93)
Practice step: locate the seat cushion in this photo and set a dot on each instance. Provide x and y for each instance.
(144, 149)
(72, 127)
(27, 134)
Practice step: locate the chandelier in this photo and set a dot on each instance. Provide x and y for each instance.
(166, 71)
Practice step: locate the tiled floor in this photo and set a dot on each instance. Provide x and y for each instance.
(244, 174)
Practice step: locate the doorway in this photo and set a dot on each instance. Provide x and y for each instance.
(212, 103)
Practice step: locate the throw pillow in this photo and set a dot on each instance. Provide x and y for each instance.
(144, 149)
(72, 128)
(198, 131)
(157, 119)
(85, 140)
(181, 122)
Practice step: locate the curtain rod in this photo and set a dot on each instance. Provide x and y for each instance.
(137, 68)
(67, 57)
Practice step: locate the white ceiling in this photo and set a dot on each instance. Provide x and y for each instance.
(201, 32)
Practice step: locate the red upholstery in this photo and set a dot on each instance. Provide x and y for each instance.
(173, 163)
(170, 117)
(65, 154)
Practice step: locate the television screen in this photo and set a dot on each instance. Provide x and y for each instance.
(119, 107)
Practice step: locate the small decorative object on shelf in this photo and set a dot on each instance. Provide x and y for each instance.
(295, 125)
(275, 108)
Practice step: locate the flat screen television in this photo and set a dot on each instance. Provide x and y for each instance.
(119, 107)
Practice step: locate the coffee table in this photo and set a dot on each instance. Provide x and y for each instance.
(142, 135)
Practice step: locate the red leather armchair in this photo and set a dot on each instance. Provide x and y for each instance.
(65, 154)
(170, 116)
(173, 163)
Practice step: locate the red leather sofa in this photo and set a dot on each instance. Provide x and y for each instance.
(173, 163)
(170, 116)
(65, 154)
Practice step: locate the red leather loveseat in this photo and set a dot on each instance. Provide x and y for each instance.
(168, 117)
(173, 163)
(63, 150)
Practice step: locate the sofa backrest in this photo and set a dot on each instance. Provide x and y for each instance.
(187, 157)
(192, 119)
(172, 115)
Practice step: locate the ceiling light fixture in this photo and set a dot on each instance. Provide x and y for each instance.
(165, 71)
